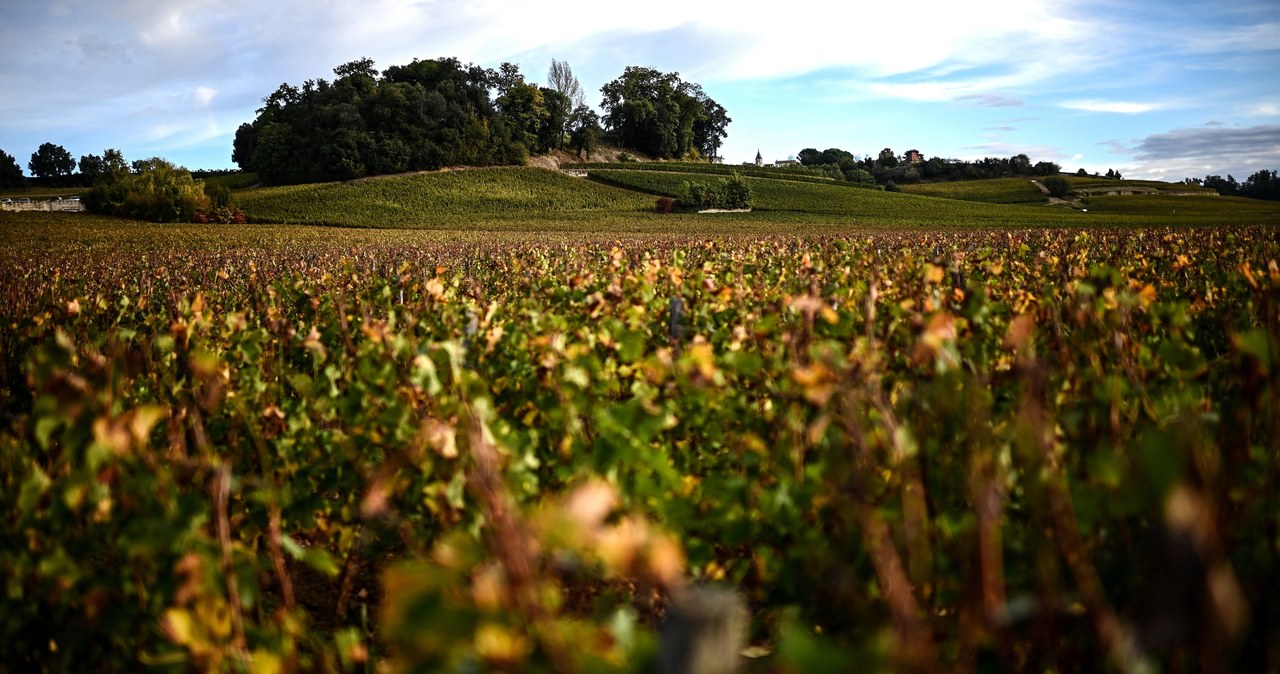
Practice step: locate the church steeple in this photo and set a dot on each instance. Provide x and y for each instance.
(759, 158)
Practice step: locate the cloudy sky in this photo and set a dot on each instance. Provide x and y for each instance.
(1150, 89)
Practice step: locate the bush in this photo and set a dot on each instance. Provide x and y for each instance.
(665, 205)
(732, 192)
(1058, 186)
(892, 187)
(158, 192)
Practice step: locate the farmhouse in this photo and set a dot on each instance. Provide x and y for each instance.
(913, 156)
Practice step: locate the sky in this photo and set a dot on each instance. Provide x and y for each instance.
(1151, 89)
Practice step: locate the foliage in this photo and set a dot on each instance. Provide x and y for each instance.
(51, 161)
(662, 116)
(1264, 184)
(726, 193)
(423, 115)
(561, 78)
(1006, 449)
(10, 171)
(110, 165)
(1058, 186)
(158, 192)
(584, 130)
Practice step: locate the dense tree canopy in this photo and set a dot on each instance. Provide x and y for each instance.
(1264, 184)
(885, 167)
(158, 191)
(659, 114)
(10, 171)
(51, 161)
(109, 165)
(422, 115)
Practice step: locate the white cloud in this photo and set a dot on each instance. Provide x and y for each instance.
(204, 96)
(1265, 110)
(1121, 107)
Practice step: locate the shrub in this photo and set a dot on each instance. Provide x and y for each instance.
(665, 205)
(731, 192)
(1058, 186)
(892, 187)
(158, 192)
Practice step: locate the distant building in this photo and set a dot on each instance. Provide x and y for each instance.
(913, 156)
(759, 159)
(786, 162)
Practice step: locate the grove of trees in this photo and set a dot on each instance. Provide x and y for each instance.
(420, 116)
(663, 116)
(10, 171)
(1264, 184)
(157, 191)
(886, 167)
(51, 161)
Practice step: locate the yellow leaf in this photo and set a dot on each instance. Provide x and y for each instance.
(933, 274)
(266, 663)
(177, 625)
(1147, 295)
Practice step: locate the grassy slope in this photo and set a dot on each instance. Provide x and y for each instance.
(428, 199)
(783, 200)
(998, 191)
(529, 202)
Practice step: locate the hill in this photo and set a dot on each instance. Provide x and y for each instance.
(620, 197)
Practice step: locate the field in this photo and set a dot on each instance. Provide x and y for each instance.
(998, 191)
(528, 420)
(442, 197)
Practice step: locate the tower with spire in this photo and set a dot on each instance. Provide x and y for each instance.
(759, 158)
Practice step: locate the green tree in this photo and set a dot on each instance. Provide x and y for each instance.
(810, 157)
(711, 127)
(584, 130)
(523, 108)
(51, 161)
(659, 114)
(887, 158)
(558, 109)
(1264, 184)
(1058, 186)
(418, 116)
(158, 192)
(109, 165)
(1046, 168)
(10, 171)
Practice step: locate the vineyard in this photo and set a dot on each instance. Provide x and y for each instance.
(451, 196)
(996, 191)
(279, 448)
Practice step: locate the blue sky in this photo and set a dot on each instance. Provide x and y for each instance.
(1151, 89)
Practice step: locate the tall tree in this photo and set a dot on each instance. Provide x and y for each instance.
(10, 171)
(585, 130)
(110, 165)
(555, 124)
(418, 116)
(561, 78)
(51, 161)
(659, 114)
(1264, 184)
